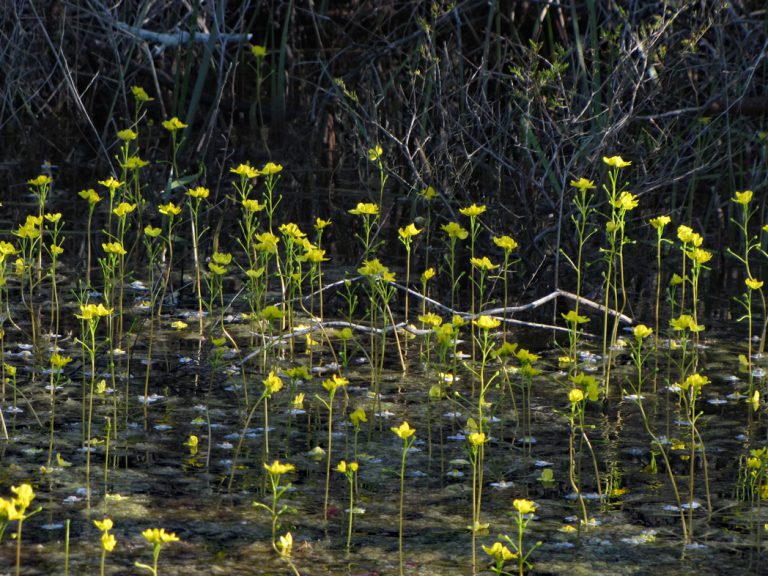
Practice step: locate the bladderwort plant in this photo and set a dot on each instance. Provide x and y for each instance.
(453, 233)
(112, 185)
(525, 510)
(508, 245)
(15, 510)
(752, 285)
(357, 417)
(58, 362)
(196, 198)
(375, 155)
(92, 198)
(108, 541)
(621, 202)
(170, 211)
(484, 267)
(272, 385)
(407, 435)
(290, 270)
(153, 245)
(30, 241)
(158, 537)
(476, 442)
(275, 472)
(316, 257)
(54, 248)
(140, 98)
(658, 224)
(573, 319)
(331, 385)
(526, 371)
(752, 484)
(90, 314)
(350, 473)
(40, 188)
(689, 391)
(271, 173)
(473, 212)
(406, 236)
(214, 279)
(173, 126)
(370, 215)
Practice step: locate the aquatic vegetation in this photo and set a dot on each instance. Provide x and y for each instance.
(108, 541)
(158, 537)
(406, 434)
(275, 472)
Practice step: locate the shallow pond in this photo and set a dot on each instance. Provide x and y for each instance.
(152, 477)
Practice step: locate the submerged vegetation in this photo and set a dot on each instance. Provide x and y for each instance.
(444, 363)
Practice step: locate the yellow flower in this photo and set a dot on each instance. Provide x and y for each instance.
(292, 230)
(472, 211)
(575, 395)
(258, 51)
(159, 536)
(676, 280)
(108, 541)
(270, 168)
(217, 269)
(694, 381)
(700, 256)
(134, 163)
(455, 230)
(40, 181)
(127, 135)
(642, 331)
(583, 184)
(499, 552)
(278, 469)
(140, 94)
(285, 545)
(477, 438)
(53, 218)
(342, 467)
(298, 401)
(505, 243)
(173, 124)
(430, 319)
(626, 201)
(743, 198)
(526, 357)
(404, 431)
(169, 209)
(334, 382)
(358, 416)
(753, 284)
(222, 258)
(408, 232)
(114, 248)
(245, 170)
(428, 274)
(483, 263)
(199, 192)
(374, 154)
(365, 209)
(685, 322)
(659, 222)
(572, 318)
(487, 322)
(151, 231)
(93, 311)
(375, 269)
(321, 224)
(616, 161)
(59, 361)
(686, 235)
(179, 325)
(111, 183)
(103, 525)
(192, 442)
(6, 249)
(56, 249)
(429, 193)
(273, 383)
(524, 506)
(90, 195)
(266, 242)
(24, 496)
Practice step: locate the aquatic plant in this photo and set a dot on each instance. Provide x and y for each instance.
(275, 472)
(16, 509)
(196, 198)
(331, 385)
(108, 541)
(525, 510)
(406, 434)
(453, 233)
(406, 236)
(350, 473)
(158, 537)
